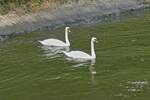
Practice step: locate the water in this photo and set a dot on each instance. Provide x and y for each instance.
(29, 71)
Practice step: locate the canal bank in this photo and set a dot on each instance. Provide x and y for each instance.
(69, 14)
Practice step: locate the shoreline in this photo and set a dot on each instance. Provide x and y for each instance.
(65, 15)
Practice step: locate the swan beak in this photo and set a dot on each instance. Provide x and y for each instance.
(69, 30)
(96, 41)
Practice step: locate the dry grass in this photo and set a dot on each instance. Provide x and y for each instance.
(25, 6)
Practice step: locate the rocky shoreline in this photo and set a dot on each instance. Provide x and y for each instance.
(68, 14)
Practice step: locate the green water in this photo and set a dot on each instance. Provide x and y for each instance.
(27, 72)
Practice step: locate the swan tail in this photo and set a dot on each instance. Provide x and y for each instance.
(40, 42)
(64, 52)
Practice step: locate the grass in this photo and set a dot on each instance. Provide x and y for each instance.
(25, 6)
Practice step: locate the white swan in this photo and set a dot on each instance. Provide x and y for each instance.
(56, 42)
(83, 55)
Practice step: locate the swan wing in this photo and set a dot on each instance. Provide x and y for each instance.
(77, 54)
(53, 42)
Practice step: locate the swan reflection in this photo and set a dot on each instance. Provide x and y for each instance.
(80, 62)
(92, 71)
(53, 52)
(88, 63)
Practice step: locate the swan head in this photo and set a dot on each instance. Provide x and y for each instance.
(67, 29)
(94, 39)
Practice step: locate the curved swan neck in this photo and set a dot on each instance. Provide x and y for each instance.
(93, 55)
(66, 37)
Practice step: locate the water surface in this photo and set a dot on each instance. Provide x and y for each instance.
(121, 71)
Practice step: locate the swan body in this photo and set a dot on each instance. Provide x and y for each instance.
(56, 42)
(77, 55)
(52, 42)
(82, 55)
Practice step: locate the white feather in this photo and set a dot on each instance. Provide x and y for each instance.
(82, 55)
(56, 42)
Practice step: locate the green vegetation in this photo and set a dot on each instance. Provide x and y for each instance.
(11, 5)
(25, 5)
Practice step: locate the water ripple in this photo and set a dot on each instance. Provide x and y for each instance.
(52, 52)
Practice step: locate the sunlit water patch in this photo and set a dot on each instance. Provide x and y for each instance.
(133, 88)
(137, 86)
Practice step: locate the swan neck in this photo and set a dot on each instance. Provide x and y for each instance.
(93, 55)
(66, 37)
